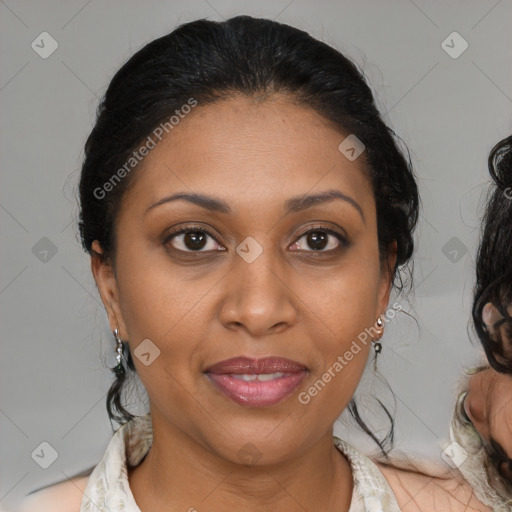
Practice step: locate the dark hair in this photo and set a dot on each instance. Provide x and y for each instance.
(210, 61)
(494, 258)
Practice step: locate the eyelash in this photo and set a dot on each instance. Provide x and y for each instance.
(202, 229)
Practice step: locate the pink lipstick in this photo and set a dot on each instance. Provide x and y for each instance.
(257, 382)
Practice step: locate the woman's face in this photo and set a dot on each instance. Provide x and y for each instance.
(256, 287)
(499, 331)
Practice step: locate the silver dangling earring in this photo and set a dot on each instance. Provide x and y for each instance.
(119, 368)
(377, 345)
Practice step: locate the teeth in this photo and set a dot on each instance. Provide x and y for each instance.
(245, 377)
(269, 376)
(263, 377)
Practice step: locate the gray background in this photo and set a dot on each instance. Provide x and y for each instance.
(55, 337)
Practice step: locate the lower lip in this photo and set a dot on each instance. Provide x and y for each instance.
(255, 393)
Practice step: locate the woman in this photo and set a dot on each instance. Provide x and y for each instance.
(492, 307)
(247, 213)
(482, 422)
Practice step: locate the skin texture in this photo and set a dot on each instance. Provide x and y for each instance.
(292, 302)
(489, 400)
(418, 492)
(500, 331)
(200, 309)
(488, 405)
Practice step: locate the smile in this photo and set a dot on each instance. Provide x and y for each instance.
(257, 383)
(262, 377)
(261, 390)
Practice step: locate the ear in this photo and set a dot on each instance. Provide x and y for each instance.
(106, 282)
(490, 314)
(386, 278)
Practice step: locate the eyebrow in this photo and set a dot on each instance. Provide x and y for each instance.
(292, 205)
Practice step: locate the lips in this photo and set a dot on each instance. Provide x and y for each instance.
(257, 382)
(246, 365)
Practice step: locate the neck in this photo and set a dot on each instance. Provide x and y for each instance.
(180, 473)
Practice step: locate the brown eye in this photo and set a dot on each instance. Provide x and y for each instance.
(193, 239)
(317, 240)
(321, 239)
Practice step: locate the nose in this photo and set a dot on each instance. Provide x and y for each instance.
(258, 298)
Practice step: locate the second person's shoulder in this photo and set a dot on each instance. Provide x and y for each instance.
(419, 492)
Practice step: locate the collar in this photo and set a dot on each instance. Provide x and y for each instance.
(108, 487)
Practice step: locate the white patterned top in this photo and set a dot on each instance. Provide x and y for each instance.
(108, 488)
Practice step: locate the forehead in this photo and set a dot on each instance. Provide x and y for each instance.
(251, 152)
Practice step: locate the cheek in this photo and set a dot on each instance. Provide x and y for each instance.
(345, 298)
(340, 310)
(159, 304)
(154, 293)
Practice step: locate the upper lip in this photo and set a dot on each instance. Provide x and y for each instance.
(249, 366)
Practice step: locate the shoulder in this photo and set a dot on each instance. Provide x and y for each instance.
(418, 492)
(62, 497)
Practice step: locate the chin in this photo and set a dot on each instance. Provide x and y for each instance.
(253, 446)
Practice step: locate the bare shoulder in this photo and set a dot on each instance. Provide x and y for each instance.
(62, 497)
(419, 492)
